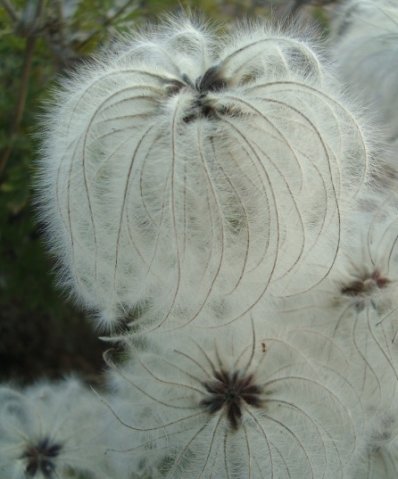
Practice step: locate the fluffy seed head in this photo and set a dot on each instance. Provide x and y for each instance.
(185, 167)
(231, 405)
(47, 431)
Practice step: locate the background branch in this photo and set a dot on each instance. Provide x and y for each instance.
(10, 10)
(20, 106)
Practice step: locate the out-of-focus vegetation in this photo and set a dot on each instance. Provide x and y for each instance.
(41, 333)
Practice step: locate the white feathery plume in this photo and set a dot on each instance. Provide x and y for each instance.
(50, 431)
(240, 402)
(377, 456)
(365, 47)
(357, 304)
(182, 168)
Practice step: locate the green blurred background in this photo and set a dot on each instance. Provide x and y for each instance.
(42, 334)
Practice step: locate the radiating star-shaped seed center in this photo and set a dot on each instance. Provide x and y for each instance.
(40, 457)
(230, 391)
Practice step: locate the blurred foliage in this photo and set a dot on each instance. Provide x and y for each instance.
(40, 332)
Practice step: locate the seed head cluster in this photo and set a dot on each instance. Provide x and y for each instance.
(218, 194)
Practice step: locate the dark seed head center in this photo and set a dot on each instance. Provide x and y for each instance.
(40, 457)
(202, 107)
(230, 392)
(366, 284)
(364, 287)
